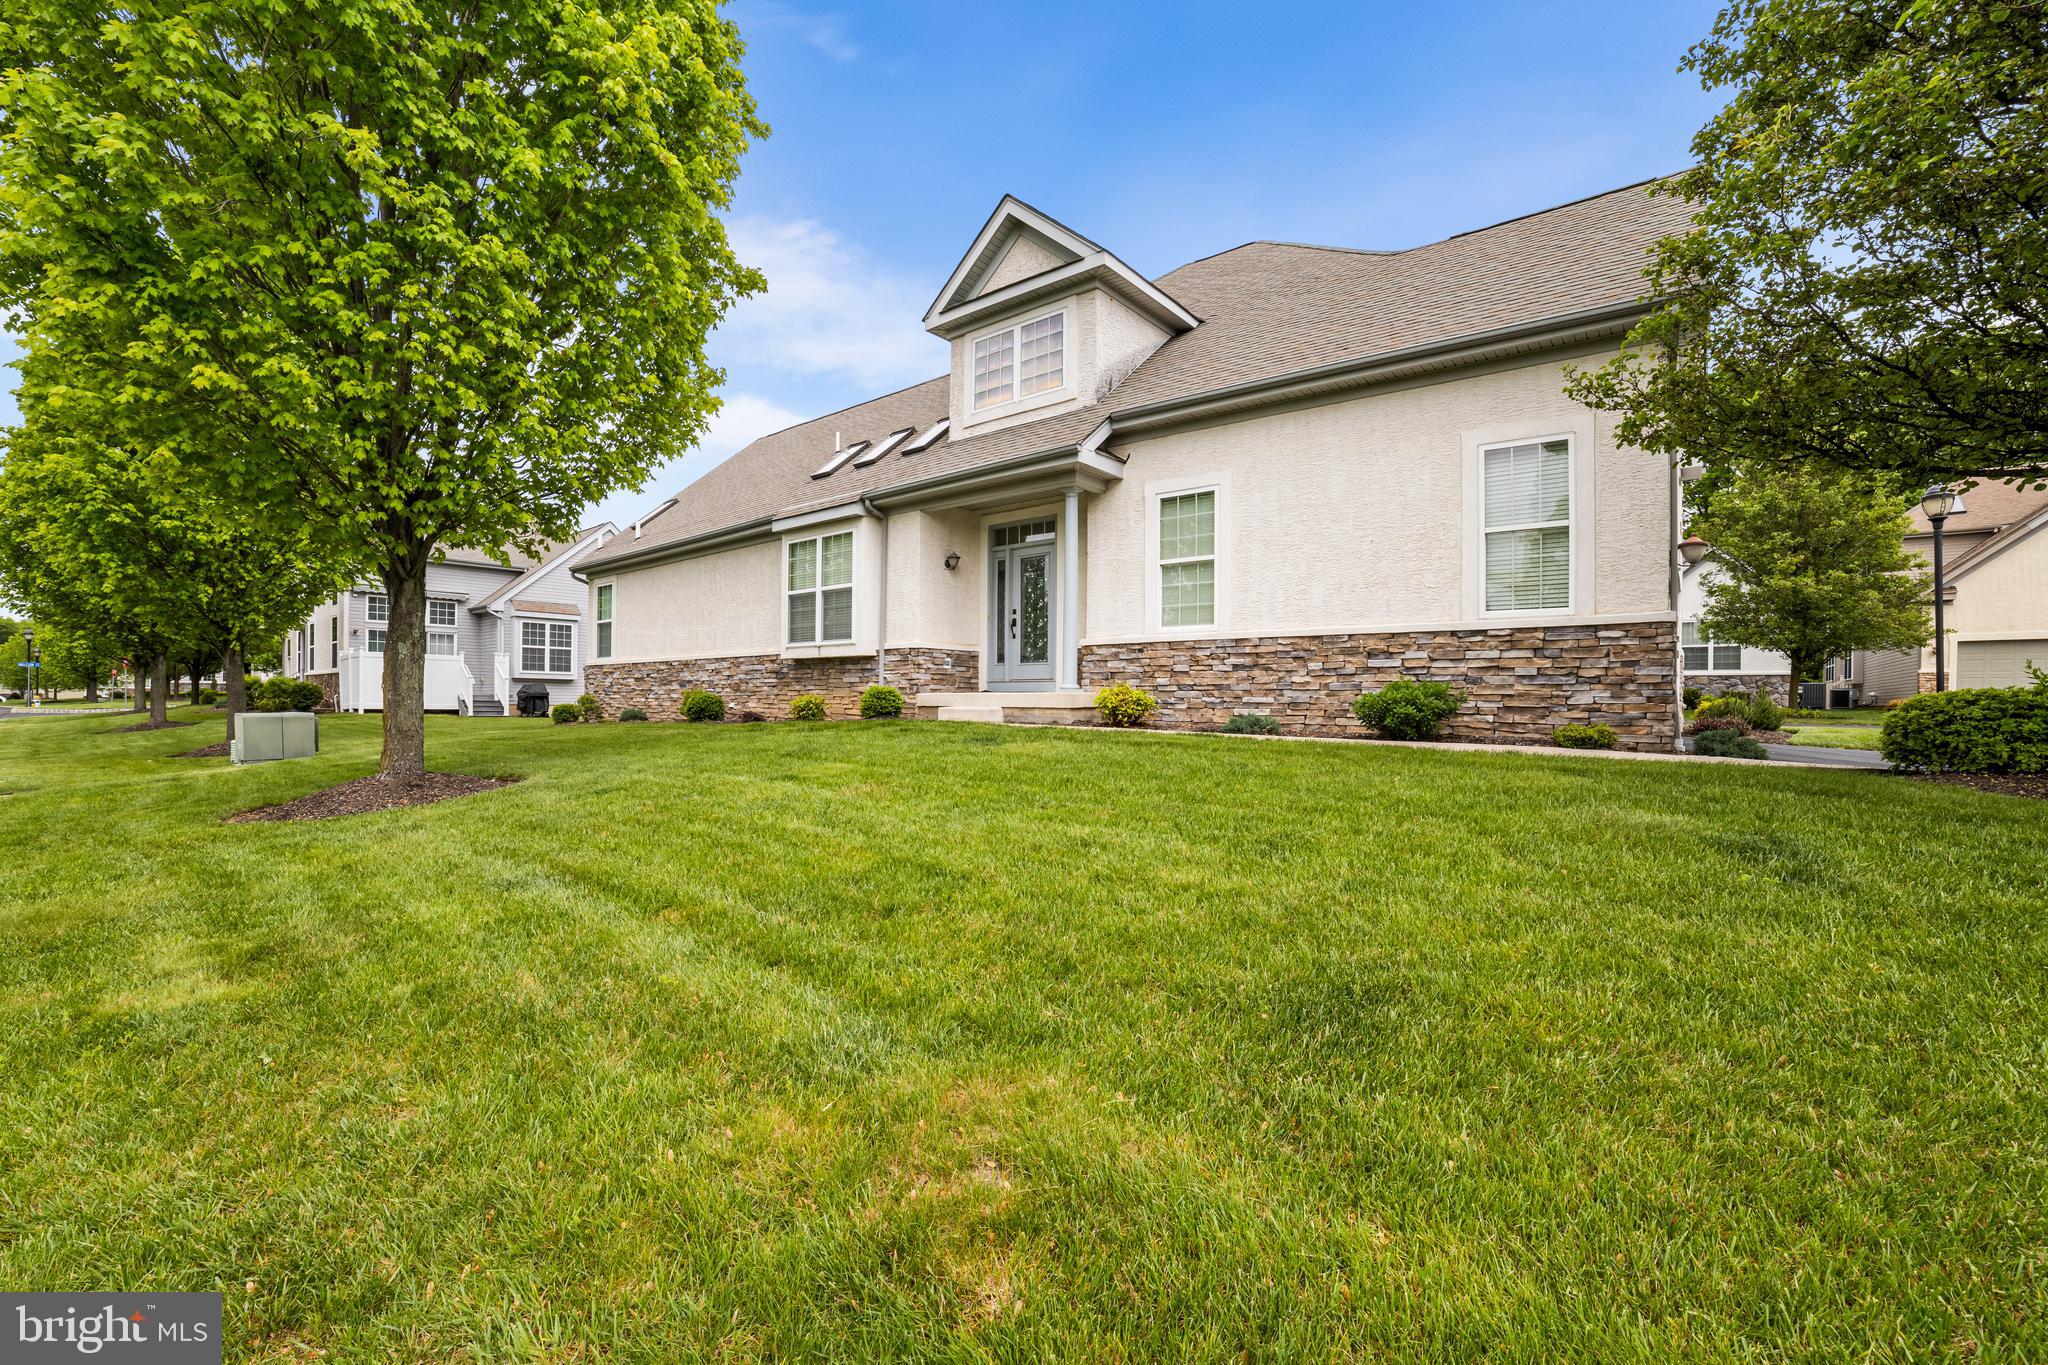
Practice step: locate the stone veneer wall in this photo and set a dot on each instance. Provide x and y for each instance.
(330, 690)
(1520, 682)
(1775, 685)
(767, 682)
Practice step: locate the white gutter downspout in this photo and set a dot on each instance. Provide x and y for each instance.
(882, 642)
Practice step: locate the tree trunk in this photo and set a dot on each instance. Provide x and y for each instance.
(1796, 668)
(160, 689)
(137, 692)
(405, 669)
(92, 687)
(235, 694)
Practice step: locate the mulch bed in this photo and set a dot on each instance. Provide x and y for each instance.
(220, 750)
(373, 793)
(153, 725)
(2004, 784)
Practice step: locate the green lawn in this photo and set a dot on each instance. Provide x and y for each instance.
(968, 1043)
(1832, 735)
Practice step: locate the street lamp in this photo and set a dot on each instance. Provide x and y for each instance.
(28, 663)
(1938, 504)
(1694, 549)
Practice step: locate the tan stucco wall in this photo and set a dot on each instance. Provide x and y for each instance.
(2007, 594)
(1021, 261)
(715, 604)
(1356, 516)
(1123, 339)
(929, 605)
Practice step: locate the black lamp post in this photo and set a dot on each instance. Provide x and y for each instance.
(1938, 504)
(28, 657)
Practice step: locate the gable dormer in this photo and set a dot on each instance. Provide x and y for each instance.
(1043, 320)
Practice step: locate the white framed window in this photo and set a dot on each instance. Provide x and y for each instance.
(1187, 559)
(1021, 361)
(334, 641)
(377, 607)
(441, 637)
(820, 589)
(1707, 656)
(547, 647)
(373, 640)
(604, 620)
(1526, 496)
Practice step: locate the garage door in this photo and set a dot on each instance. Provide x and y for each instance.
(1998, 663)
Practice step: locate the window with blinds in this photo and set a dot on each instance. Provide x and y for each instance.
(441, 637)
(1021, 361)
(1528, 504)
(821, 590)
(1187, 559)
(1707, 656)
(604, 621)
(547, 647)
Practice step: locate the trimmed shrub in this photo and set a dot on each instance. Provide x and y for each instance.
(632, 713)
(589, 706)
(286, 694)
(1705, 723)
(1409, 709)
(1249, 724)
(1124, 706)
(208, 697)
(881, 703)
(1584, 737)
(566, 713)
(1727, 744)
(1758, 712)
(1975, 730)
(701, 705)
(810, 706)
(1693, 695)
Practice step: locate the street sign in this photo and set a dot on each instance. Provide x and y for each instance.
(31, 665)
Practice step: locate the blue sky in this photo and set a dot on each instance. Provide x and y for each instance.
(1165, 132)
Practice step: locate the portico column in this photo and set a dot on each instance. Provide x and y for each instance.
(1070, 591)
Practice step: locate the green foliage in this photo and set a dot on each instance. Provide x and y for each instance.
(1975, 730)
(1584, 737)
(1731, 722)
(565, 713)
(286, 694)
(1693, 697)
(1757, 711)
(1811, 563)
(701, 705)
(1124, 706)
(1408, 708)
(1868, 213)
(590, 708)
(809, 706)
(398, 277)
(208, 697)
(632, 713)
(881, 703)
(1727, 744)
(1248, 723)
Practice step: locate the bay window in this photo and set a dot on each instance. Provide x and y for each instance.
(820, 590)
(1528, 533)
(547, 647)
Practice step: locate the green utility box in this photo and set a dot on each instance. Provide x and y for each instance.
(261, 736)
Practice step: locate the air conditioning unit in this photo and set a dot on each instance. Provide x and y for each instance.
(1842, 698)
(263, 736)
(1813, 696)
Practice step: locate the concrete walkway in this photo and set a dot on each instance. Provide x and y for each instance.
(1821, 757)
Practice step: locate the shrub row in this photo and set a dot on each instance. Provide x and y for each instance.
(1975, 730)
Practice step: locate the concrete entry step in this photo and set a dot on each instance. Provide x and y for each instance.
(1039, 708)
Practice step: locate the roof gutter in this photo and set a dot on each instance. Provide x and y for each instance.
(746, 530)
(1608, 319)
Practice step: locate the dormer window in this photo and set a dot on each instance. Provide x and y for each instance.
(1021, 361)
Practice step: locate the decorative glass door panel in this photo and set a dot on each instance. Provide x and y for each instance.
(1021, 593)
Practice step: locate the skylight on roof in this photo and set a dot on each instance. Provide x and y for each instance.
(883, 447)
(839, 458)
(926, 441)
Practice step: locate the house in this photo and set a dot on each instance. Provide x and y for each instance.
(499, 627)
(1262, 482)
(1720, 667)
(1995, 562)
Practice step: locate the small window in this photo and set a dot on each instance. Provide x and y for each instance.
(840, 457)
(373, 640)
(1187, 559)
(1528, 526)
(1020, 361)
(546, 647)
(1708, 656)
(334, 641)
(604, 621)
(929, 438)
(442, 642)
(377, 607)
(821, 590)
(441, 613)
(882, 447)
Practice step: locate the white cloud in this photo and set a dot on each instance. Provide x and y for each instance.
(828, 311)
(825, 32)
(744, 417)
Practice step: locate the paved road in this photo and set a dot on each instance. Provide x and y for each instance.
(1833, 758)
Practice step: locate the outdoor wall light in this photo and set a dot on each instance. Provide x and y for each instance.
(1694, 549)
(952, 560)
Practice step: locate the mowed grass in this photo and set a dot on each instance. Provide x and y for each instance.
(1833, 735)
(953, 1042)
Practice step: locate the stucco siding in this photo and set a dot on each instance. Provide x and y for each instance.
(929, 604)
(1357, 514)
(727, 602)
(2007, 594)
(1123, 340)
(1023, 259)
(1081, 360)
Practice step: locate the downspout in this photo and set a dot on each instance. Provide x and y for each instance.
(882, 641)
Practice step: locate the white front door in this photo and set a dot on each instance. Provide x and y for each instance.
(1021, 612)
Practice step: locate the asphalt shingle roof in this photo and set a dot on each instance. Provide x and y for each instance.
(1268, 309)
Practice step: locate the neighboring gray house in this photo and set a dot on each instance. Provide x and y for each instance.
(497, 627)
